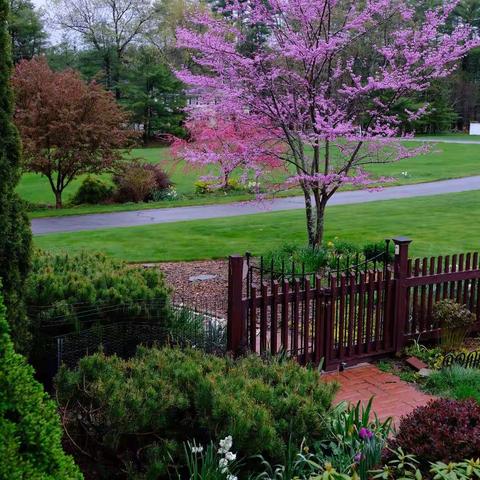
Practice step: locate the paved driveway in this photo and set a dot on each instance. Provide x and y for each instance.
(76, 223)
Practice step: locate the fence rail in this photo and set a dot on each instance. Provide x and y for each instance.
(350, 317)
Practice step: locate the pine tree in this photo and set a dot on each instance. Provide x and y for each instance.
(15, 234)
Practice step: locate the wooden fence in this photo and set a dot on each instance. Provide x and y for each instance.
(351, 317)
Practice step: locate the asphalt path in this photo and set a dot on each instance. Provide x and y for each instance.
(77, 223)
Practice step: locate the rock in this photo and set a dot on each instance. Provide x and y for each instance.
(425, 372)
(202, 278)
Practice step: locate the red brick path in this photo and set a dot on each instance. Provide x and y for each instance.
(392, 396)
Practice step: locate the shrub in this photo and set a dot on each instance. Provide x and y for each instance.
(93, 190)
(204, 186)
(84, 282)
(443, 430)
(455, 320)
(64, 292)
(377, 250)
(141, 182)
(15, 234)
(455, 382)
(134, 182)
(30, 432)
(142, 410)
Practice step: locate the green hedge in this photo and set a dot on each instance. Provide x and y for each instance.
(142, 410)
(30, 431)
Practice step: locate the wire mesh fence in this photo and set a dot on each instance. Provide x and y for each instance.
(67, 333)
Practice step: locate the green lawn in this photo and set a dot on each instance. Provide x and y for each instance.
(441, 224)
(445, 161)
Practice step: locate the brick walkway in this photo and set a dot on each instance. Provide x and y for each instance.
(392, 396)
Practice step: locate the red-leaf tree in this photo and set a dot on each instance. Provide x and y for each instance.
(68, 127)
(326, 77)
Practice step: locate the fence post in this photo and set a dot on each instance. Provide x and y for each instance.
(401, 306)
(236, 328)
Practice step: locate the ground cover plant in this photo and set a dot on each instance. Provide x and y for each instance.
(455, 382)
(439, 225)
(159, 399)
(445, 161)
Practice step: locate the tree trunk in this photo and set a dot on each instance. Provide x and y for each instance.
(58, 200)
(309, 216)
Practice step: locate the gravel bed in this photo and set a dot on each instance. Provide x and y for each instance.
(202, 284)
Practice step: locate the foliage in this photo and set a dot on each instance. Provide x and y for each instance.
(455, 321)
(88, 282)
(204, 186)
(430, 356)
(161, 398)
(443, 430)
(335, 255)
(230, 144)
(215, 463)
(15, 238)
(110, 28)
(29, 425)
(134, 183)
(326, 85)
(139, 182)
(153, 94)
(455, 382)
(93, 190)
(357, 441)
(68, 127)
(26, 29)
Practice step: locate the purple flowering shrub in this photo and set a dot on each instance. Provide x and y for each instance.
(443, 430)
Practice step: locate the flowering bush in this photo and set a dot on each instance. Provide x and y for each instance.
(444, 430)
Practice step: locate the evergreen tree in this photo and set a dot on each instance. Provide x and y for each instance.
(26, 30)
(15, 236)
(30, 432)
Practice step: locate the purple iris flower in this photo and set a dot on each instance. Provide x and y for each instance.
(365, 434)
(358, 457)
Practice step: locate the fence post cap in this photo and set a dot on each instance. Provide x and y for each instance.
(402, 240)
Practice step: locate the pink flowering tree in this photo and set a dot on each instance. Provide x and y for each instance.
(326, 77)
(229, 143)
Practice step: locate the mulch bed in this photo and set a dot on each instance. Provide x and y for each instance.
(208, 295)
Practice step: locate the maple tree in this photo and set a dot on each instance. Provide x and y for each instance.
(326, 77)
(68, 127)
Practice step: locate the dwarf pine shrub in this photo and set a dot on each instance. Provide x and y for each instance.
(144, 409)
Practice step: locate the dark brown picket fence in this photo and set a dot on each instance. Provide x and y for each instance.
(346, 317)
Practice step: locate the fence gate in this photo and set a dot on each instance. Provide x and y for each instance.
(343, 317)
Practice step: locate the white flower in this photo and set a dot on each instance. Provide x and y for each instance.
(232, 477)
(198, 449)
(230, 456)
(223, 462)
(225, 444)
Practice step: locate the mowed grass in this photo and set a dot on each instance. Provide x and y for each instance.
(443, 162)
(442, 224)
